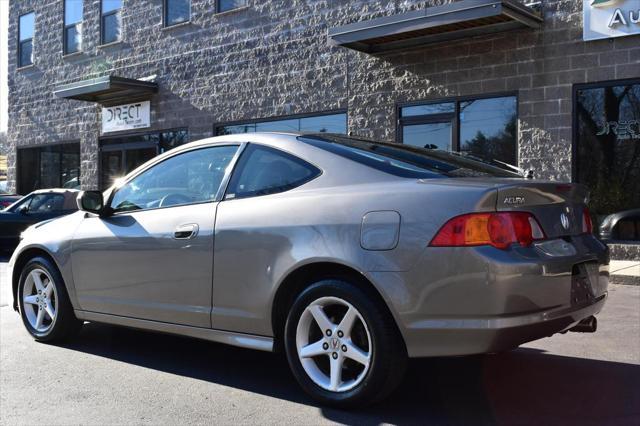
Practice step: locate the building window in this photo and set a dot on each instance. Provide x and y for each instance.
(176, 12)
(326, 123)
(53, 166)
(226, 5)
(607, 146)
(120, 155)
(111, 21)
(26, 25)
(72, 26)
(485, 128)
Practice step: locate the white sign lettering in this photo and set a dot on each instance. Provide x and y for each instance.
(610, 18)
(126, 117)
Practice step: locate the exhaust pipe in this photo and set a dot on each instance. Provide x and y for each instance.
(587, 325)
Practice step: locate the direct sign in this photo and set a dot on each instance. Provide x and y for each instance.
(610, 18)
(126, 117)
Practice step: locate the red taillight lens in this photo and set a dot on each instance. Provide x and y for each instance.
(496, 229)
(587, 225)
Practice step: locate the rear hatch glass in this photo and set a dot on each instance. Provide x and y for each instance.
(405, 160)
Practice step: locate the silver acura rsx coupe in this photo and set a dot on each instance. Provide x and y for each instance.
(348, 255)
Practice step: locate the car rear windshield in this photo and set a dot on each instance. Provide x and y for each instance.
(404, 160)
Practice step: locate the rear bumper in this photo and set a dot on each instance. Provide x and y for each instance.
(470, 300)
(463, 336)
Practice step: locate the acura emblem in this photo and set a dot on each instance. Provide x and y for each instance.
(564, 220)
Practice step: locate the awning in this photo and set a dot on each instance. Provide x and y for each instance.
(457, 20)
(107, 90)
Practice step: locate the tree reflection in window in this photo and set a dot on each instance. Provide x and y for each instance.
(608, 146)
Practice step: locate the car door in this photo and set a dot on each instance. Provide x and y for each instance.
(152, 258)
(255, 237)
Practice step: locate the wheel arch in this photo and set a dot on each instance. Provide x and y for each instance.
(305, 275)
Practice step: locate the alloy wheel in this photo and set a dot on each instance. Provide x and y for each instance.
(334, 344)
(40, 300)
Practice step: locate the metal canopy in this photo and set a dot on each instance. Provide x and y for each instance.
(457, 20)
(107, 90)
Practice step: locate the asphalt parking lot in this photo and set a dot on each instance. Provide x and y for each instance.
(111, 375)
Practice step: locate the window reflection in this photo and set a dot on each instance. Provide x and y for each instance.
(608, 146)
(330, 123)
(177, 11)
(487, 128)
(48, 167)
(429, 135)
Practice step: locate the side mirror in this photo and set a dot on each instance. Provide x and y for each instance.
(91, 201)
(23, 210)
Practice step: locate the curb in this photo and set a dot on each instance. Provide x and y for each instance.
(624, 280)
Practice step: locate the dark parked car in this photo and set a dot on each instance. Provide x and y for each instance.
(38, 206)
(7, 199)
(623, 226)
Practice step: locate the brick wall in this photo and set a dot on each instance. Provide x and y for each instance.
(273, 59)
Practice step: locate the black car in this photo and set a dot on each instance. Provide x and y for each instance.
(621, 226)
(38, 206)
(7, 199)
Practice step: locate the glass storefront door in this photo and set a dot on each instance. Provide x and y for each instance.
(122, 154)
(119, 160)
(607, 148)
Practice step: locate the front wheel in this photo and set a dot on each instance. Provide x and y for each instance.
(44, 304)
(342, 345)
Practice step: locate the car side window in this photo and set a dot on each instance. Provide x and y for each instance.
(46, 203)
(24, 203)
(263, 170)
(187, 178)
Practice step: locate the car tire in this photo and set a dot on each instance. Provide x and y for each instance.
(44, 302)
(356, 337)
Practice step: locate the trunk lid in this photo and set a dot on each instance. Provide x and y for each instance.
(547, 201)
(558, 207)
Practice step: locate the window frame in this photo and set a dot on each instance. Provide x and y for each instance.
(102, 26)
(219, 10)
(574, 114)
(218, 126)
(165, 10)
(65, 27)
(21, 42)
(160, 159)
(455, 116)
(238, 167)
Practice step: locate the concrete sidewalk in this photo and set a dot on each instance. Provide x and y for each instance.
(626, 272)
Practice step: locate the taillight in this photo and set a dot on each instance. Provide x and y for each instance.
(587, 225)
(496, 229)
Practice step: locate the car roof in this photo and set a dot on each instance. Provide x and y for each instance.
(55, 191)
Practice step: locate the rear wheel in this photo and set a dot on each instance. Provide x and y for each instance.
(44, 303)
(342, 346)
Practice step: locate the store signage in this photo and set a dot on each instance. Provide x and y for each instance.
(610, 18)
(623, 130)
(126, 117)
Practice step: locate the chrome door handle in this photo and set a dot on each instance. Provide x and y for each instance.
(186, 232)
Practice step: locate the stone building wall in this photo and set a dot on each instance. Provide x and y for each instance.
(273, 59)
